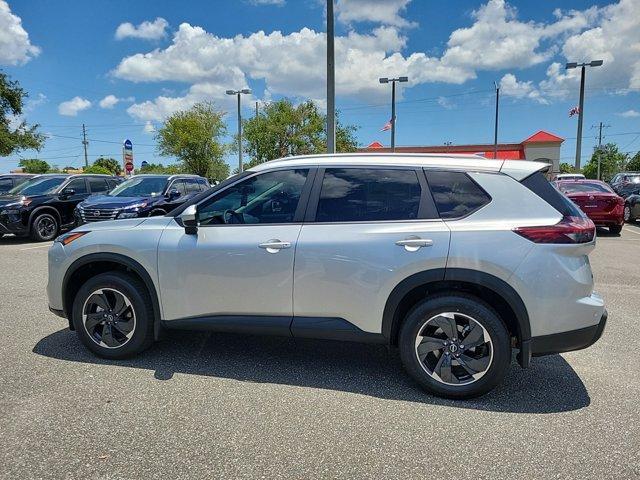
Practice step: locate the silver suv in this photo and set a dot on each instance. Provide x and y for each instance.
(455, 260)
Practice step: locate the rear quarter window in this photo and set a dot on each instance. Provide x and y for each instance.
(539, 185)
(455, 194)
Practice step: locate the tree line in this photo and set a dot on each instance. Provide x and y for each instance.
(612, 161)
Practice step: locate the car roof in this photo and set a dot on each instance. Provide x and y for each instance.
(18, 174)
(162, 175)
(517, 169)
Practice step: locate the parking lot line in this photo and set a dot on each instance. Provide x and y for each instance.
(37, 246)
(629, 230)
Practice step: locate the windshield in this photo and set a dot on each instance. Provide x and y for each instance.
(140, 187)
(580, 187)
(632, 178)
(38, 186)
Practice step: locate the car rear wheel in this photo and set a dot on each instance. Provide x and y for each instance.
(627, 214)
(455, 346)
(44, 227)
(113, 315)
(615, 229)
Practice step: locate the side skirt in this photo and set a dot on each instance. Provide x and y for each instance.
(297, 327)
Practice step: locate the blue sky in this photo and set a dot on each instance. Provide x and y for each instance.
(121, 67)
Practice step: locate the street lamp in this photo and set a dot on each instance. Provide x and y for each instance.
(246, 91)
(570, 65)
(393, 105)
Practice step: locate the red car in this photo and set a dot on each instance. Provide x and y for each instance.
(595, 198)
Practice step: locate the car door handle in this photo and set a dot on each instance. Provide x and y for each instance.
(411, 244)
(275, 245)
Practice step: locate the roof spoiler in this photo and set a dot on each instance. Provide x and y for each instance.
(521, 169)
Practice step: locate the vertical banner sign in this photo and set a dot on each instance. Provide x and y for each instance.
(127, 157)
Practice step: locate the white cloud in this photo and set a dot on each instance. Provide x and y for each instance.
(72, 107)
(386, 12)
(629, 114)
(146, 30)
(511, 87)
(109, 101)
(445, 103)
(15, 46)
(149, 128)
(32, 103)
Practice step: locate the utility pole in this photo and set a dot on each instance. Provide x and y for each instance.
(600, 126)
(85, 143)
(331, 82)
(594, 63)
(256, 109)
(495, 130)
(245, 91)
(393, 105)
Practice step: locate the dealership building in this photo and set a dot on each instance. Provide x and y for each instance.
(540, 147)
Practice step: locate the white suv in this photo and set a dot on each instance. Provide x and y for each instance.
(456, 260)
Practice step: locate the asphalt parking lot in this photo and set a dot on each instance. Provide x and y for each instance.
(226, 406)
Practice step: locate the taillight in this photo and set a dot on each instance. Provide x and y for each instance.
(568, 230)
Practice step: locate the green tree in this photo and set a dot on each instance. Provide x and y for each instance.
(161, 169)
(194, 137)
(282, 129)
(15, 137)
(566, 168)
(611, 162)
(634, 164)
(34, 165)
(110, 164)
(95, 168)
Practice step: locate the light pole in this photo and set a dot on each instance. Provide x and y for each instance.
(331, 81)
(495, 130)
(246, 91)
(393, 106)
(594, 63)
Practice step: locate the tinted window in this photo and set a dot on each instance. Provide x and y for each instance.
(455, 194)
(539, 185)
(271, 197)
(178, 185)
(78, 185)
(192, 186)
(6, 184)
(360, 195)
(98, 185)
(38, 186)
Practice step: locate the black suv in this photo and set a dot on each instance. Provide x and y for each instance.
(12, 180)
(44, 205)
(625, 183)
(141, 196)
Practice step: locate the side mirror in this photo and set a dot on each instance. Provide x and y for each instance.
(189, 219)
(67, 192)
(173, 193)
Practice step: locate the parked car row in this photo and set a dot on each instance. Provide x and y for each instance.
(41, 206)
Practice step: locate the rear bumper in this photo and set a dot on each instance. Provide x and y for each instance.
(568, 341)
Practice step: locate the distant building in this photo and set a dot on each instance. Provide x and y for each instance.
(540, 147)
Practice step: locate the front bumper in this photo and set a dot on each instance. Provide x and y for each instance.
(12, 224)
(568, 341)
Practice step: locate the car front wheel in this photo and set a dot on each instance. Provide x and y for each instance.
(627, 214)
(44, 227)
(455, 346)
(113, 315)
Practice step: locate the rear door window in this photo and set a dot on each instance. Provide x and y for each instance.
(98, 185)
(455, 194)
(368, 195)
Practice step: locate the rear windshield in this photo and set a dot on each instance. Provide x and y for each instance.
(539, 185)
(579, 187)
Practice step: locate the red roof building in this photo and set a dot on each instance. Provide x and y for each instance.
(541, 146)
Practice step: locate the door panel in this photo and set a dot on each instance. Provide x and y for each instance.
(223, 271)
(348, 270)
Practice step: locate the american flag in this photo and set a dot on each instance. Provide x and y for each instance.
(387, 126)
(574, 111)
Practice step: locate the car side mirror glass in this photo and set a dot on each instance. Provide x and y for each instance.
(189, 219)
(173, 193)
(67, 192)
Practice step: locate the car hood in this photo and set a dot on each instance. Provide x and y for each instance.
(7, 199)
(106, 201)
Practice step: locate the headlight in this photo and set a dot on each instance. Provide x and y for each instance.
(23, 202)
(67, 238)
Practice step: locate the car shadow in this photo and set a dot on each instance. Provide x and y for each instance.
(10, 239)
(550, 385)
(604, 232)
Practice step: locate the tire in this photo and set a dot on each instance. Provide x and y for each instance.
(456, 381)
(128, 334)
(44, 228)
(615, 229)
(627, 214)
(157, 212)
